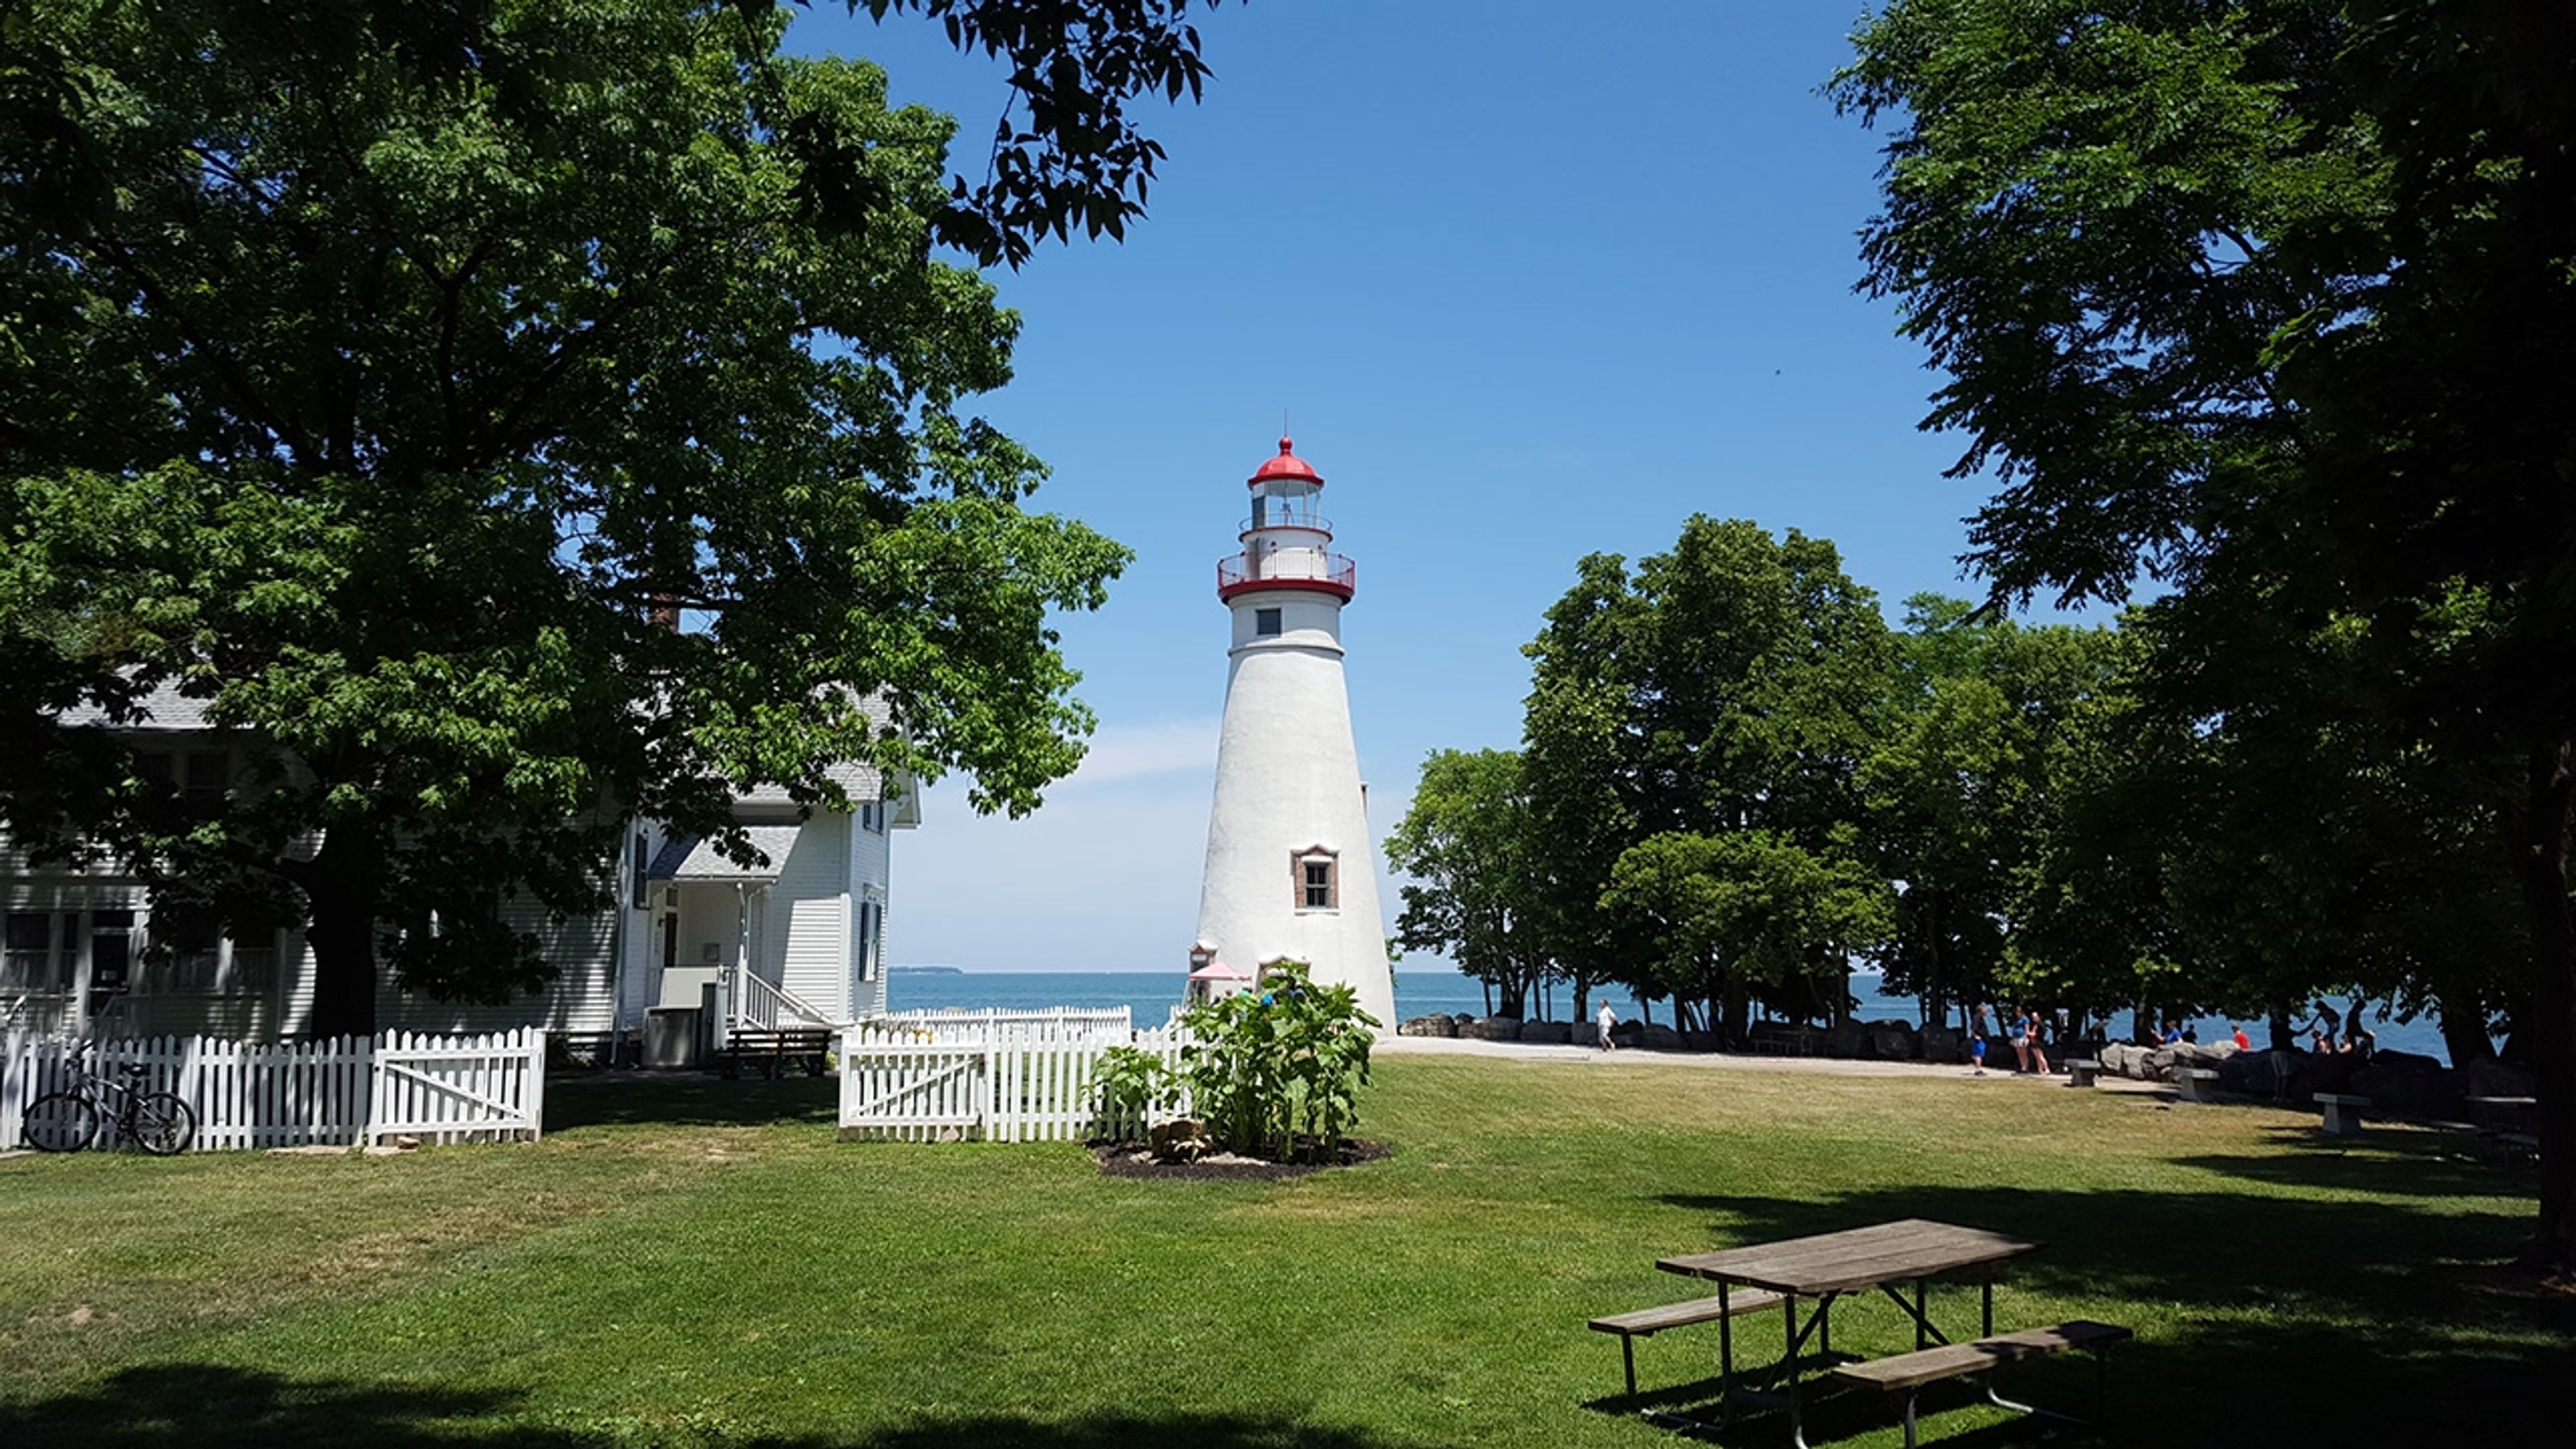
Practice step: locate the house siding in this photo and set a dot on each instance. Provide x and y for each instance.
(809, 915)
(870, 861)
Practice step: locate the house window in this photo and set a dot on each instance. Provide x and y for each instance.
(208, 773)
(32, 957)
(192, 957)
(1318, 881)
(872, 817)
(1265, 622)
(869, 914)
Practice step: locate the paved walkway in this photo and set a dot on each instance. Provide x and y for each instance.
(1584, 1056)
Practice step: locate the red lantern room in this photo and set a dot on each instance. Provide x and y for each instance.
(1286, 541)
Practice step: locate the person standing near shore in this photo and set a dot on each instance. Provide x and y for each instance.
(1608, 1019)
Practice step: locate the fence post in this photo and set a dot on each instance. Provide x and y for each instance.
(536, 1094)
(375, 1090)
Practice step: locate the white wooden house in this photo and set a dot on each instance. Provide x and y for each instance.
(800, 937)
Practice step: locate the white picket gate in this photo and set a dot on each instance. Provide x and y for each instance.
(338, 1091)
(459, 1088)
(1029, 1081)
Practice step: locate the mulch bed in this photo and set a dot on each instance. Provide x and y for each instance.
(1135, 1159)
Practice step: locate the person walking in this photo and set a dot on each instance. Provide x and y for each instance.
(1608, 1019)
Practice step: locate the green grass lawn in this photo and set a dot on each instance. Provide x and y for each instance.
(703, 1265)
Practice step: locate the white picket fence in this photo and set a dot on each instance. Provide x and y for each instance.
(340, 1091)
(1073, 1023)
(1016, 1081)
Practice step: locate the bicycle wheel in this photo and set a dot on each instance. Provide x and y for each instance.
(162, 1124)
(59, 1122)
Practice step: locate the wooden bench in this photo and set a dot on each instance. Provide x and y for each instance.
(2196, 1084)
(771, 1052)
(2080, 1072)
(1911, 1371)
(2343, 1113)
(2517, 1146)
(1647, 1322)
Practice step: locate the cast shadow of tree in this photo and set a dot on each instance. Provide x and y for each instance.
(573, 1103)
(2431, 1164)
(205, 1406)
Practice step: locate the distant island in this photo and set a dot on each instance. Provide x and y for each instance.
(925, 971)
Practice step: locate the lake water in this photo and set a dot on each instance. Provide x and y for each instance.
(1152, 995)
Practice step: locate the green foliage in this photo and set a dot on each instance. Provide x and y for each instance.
(384, 377)
(1276, 1071)
(1729, 686)
(1750, 906)
(1965, 782)
(1134, 1084)
(1469, 847)
(1077, 160)
(2273, 298)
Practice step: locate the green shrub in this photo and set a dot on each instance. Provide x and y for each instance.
(1132, 1083)
(1276, 1071)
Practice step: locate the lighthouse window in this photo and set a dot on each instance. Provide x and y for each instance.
(1315, 883)
(1265, 621)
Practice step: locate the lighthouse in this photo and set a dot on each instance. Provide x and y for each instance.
(1289, 860)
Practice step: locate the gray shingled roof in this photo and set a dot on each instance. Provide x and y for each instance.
(164, 708)
(687, 857)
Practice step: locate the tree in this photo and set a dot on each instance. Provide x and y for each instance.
(2274, 299)
(1730, 685)
(516, 417)
(1750, 912)
(1468, 845)
(1959, 785)
(1074, 158)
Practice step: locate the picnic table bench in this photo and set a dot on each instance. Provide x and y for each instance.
(1910, 1372)
(770, 1051)
(1647, 1322)
(1781, 1039)
(2081, 1071)
(2503, 1112)
(2196, 1084)
(1825, 1267)
(2343, 1113)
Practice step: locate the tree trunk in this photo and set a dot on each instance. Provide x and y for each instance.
(2284, 1037)
(2551, 809)
(2464, 1036)
(343, 891)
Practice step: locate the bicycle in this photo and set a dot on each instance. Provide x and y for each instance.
(160, 1123)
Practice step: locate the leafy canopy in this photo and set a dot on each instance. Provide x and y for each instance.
(391, 379)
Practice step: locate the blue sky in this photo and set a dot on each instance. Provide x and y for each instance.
(1529, 280)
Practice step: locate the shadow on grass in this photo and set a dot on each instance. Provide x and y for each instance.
(692, 1100)
(199, 1406)
(2332, 1320)
(2409, 1164)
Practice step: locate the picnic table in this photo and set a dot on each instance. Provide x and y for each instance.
(1822, 1268)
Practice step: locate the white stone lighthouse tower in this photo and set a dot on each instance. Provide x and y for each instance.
(1289, 861)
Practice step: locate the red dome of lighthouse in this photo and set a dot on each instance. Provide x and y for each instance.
(1286, 465)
